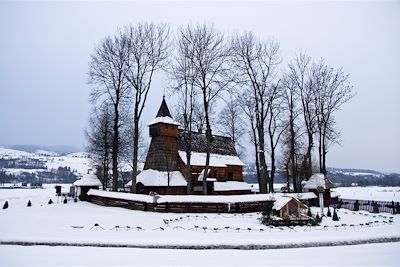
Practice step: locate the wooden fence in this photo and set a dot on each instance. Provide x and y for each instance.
(177, 207)
(370, 205)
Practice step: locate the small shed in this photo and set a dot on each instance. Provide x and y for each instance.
(288, 207)
(319, 183)
(88, 181)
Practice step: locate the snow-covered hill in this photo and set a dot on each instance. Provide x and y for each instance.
(79, 161)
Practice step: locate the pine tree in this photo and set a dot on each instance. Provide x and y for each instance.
(335, 216)
(329, 214)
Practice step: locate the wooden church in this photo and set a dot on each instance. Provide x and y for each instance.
(166, 164)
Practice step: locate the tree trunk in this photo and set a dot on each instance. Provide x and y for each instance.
(320, 151)
(115, 148)
(273, 168)
(324, 152)
(135, 150)
(188, 142)
(263, 165)
(256, 153)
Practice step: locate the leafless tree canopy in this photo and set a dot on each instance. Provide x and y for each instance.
(291, 109)
(147, 46)
(106, 75)
(255, 63)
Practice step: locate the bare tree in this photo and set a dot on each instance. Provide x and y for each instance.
(276, 125)
(106, 74)
(231, 124)
(99, 137)
(210, 56)
(292, 135)
(255, 63)
(299, 75)
(183, 75)
(247, 106)
(147, 53)
(331, 90)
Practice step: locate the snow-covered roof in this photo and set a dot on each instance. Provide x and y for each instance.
(152, 177)
(318, 180)
(216, 160)
(88, 180)
(231, 186)
(165, 120)
(281, 201)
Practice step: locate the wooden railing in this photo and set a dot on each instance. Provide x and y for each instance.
(370, 205)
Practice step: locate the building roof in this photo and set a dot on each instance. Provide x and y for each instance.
(163, 115)
(152, 177)
(281, 201)
(216, 160)
(89, 179)
(164, 111)
(221, 145)
(318, 180)
(166, 120)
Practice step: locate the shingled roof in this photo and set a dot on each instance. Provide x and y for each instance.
(221, 145)
(164, 111)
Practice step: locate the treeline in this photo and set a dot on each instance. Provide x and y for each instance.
(59, 175)
(281, 110)
(365, 180)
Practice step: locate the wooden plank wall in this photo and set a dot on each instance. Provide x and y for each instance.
(189, 207)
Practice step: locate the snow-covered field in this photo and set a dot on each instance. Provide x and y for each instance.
(73, 224)
(376, 193)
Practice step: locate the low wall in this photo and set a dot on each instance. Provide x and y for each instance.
(180, 207)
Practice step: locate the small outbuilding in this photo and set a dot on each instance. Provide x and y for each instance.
(288, 207)
(83, 185)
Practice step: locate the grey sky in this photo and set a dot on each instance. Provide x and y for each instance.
(45, 48)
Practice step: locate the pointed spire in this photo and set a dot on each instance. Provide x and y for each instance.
(164, 111)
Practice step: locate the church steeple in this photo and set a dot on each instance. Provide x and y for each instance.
(164, 111)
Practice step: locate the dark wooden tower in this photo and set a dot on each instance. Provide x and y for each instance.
(163, 150)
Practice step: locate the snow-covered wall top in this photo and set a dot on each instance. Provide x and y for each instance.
(195, 198)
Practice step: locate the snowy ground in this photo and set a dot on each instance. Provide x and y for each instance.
(361, 255)
(73, 223)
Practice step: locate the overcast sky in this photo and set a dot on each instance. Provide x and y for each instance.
(45, 49)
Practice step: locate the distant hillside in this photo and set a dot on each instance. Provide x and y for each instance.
(58, 149)
(340, 176)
